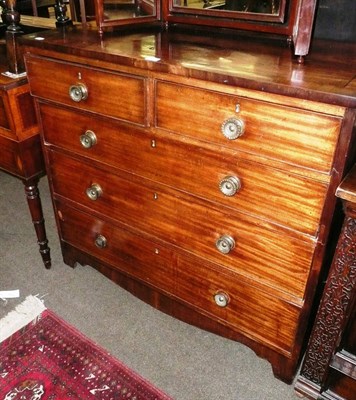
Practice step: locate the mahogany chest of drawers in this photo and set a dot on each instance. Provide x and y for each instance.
(205, 190)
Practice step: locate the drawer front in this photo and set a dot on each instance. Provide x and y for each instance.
(264, 318)
(303, 138)
(4, 123)
(250, 311)
(24, 113)
(22, 158)
(18, 119)
(201, 171)
(9, 156)
(118, 95)
(143, 259)
(261, 251)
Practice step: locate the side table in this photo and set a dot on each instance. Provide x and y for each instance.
(329, 367)
(20, 148)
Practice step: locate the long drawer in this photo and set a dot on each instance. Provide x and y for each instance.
(295, 136)
(249, 310)
(262, 251)
(202, 171)
(118, 95)
(229, 299)
(144, 259)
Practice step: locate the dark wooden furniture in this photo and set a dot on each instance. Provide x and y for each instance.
(20, 147)
(199, 177)
(329, 368)
(291, 20)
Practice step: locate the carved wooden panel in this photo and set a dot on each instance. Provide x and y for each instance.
(334, 307)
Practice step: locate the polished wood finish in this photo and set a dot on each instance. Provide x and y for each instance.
(21, 153)
(292, 21)
(254, 64)
(200, 227)
(101, 85)
(347, 191)
(329, 367)
(141, 202)
(300, 205)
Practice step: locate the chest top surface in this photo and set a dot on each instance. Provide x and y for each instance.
(328, 75)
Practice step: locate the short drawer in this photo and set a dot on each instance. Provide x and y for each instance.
(263, 251)
(237, 304)
(118, 95)
(298, 137)
(203, 171)
(136, 256)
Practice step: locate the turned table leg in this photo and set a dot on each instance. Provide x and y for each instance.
(35, 206)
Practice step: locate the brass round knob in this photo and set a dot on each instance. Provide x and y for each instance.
(225, 244)
(94, 191)
(230, 185)
(221, 299)
(232, 128)
(88, 139)
(78, 92)
(101, 241)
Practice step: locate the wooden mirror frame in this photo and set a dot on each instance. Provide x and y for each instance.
(152, 6)
(294, 22)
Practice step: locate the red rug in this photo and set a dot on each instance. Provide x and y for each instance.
(48, 359)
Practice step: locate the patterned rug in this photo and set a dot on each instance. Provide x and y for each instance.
(47, 359)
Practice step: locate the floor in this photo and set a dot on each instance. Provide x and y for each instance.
(185, 362)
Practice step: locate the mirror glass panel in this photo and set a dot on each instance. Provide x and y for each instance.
(127, 9)
(116, 13)
(266, 10)
(251, 6)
